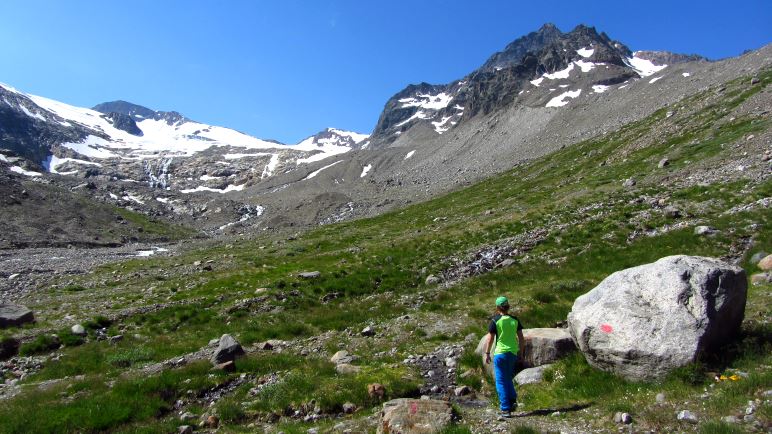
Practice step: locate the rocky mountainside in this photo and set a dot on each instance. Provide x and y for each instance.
(544, 91)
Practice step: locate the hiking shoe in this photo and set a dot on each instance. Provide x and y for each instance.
(504, 415)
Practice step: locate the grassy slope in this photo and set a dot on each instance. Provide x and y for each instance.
(379, 265)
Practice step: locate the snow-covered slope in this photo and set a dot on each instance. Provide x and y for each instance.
(131, 144)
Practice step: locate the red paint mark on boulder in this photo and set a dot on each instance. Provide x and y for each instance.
(606, 328)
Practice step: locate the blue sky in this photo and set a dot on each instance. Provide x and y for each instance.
(287, 69)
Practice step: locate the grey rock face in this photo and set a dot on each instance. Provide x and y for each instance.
(342, 356)
(14, 315)
(546, 345)
(645, 321)
(227, 350)
(531, 375)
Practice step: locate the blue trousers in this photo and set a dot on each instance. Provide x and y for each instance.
(504, 369)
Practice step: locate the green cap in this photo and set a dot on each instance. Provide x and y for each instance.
(502, 301)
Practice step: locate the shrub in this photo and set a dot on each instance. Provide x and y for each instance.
(41, 344)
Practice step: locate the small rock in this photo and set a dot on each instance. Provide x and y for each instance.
(228, 366)
(187, 417)
(765, 263)
(435, 389)
(14, 315)
(259, 291)
(749, 418)
(531, 375)
(310, 274)
(461, 391)
(755, 80)
(347, 369)
(349, 408)
(761, 278)
(704, 230)
(507, 263)
(758, 256)
(342, 356)
(368, 331)
(185, 429)
(672, 212)
(432, 280)
(227, 350)
(265, 346)
(376, 390)
(730, 419)
(78, 329)
(629, 183)
(660, 398)
(212, 422)
(626, 419)
(687, 416)
(663, 163)
(312, 431)
(115, 339)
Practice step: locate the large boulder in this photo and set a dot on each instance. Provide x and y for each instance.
(227, 350)
(542, 346)
(546, 345)
(645, 321)
(14, 315)
(414, 416)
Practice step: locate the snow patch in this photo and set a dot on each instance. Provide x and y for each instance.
(427, 101)
(440, 127)
(316, 172)
(239, 156)
(30, 114)
(564, 73)
(585, 66)
(644, 67)
(560, 100)
(686, 74)
(585, 52)
(53, 162)
(92, 147)
(365, 170)
(417, 115)
(270, 167)
(599, 88)
(133, 198)
(19, 170)
(209, 178)
(538, 81)
(215, 190)
(653, 80)
(409, 154)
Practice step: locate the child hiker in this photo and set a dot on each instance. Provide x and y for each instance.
(508, 332)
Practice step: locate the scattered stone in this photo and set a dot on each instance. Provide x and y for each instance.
(546, 345)
(227, 350)
(78, 329)
(342, 356)
(435, 389)
(310, 274)
(368, 331)
(265, 346)
(228, 366)
(12, 315)
(408, 416)
(663, 163)
(347, 369)
(660, 398)
(531, 375)
(672, 212)
(432, 280)
(185, 429)
(704, 230)
(761, 278)
(259, 291)
(765, 263)
(629, 183)
(312, 431)
(645, 321)
(627, 419)
(462, 391)
(730, 419)
(212, 422)
(187, 417)
(507, 263)
(349, 408)
(755, 80)
(115, 339)
(687, 416)
(376, 390)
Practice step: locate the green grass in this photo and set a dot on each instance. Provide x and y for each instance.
(379, 266)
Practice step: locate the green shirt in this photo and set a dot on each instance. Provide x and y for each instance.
(505, 327)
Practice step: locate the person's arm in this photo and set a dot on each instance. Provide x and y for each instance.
(488, 346)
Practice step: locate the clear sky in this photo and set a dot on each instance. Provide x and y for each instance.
(286, 69)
